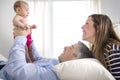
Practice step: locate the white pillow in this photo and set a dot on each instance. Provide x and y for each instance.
(82, 69)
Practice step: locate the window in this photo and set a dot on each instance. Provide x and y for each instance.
(59, 23)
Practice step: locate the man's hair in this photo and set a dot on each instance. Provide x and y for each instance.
(83, 51)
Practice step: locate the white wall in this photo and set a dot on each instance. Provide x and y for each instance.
(109, 7)
(112, 9)
(6, 15)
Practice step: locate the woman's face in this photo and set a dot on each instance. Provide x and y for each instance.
(89, 31)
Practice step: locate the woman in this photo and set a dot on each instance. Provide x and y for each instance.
(105, 44)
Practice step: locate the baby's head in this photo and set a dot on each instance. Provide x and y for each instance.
(21, 8)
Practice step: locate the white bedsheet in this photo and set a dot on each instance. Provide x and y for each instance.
(2, 58)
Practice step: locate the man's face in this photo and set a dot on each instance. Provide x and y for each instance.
(69, 53)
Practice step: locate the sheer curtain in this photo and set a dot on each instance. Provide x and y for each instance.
(40, 14)
(59, 23)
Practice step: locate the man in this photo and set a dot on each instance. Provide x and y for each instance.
(41, 69)
(18, 69)
(76, 51)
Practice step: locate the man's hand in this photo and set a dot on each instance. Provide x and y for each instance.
(20, 32)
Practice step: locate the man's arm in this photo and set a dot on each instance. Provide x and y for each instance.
(18, 69)
(35, 52)
(18, 47)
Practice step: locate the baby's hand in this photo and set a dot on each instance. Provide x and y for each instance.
(26, 27)
(33, 26)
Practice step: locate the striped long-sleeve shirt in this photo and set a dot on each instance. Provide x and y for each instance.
(112, 58)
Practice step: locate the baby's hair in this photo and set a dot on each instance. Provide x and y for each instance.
(18, 3)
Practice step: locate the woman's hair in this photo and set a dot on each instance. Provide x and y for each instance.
(18, 4)
(83, 51)
(104, 31)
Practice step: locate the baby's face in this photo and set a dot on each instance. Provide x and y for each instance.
(24, 10)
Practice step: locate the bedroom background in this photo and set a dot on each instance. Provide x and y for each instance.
(59, 22)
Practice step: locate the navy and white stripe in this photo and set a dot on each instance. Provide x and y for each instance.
(112, 59)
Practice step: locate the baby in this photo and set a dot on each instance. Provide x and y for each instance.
(21, 9)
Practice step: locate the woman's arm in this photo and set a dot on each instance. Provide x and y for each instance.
(113, 59)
